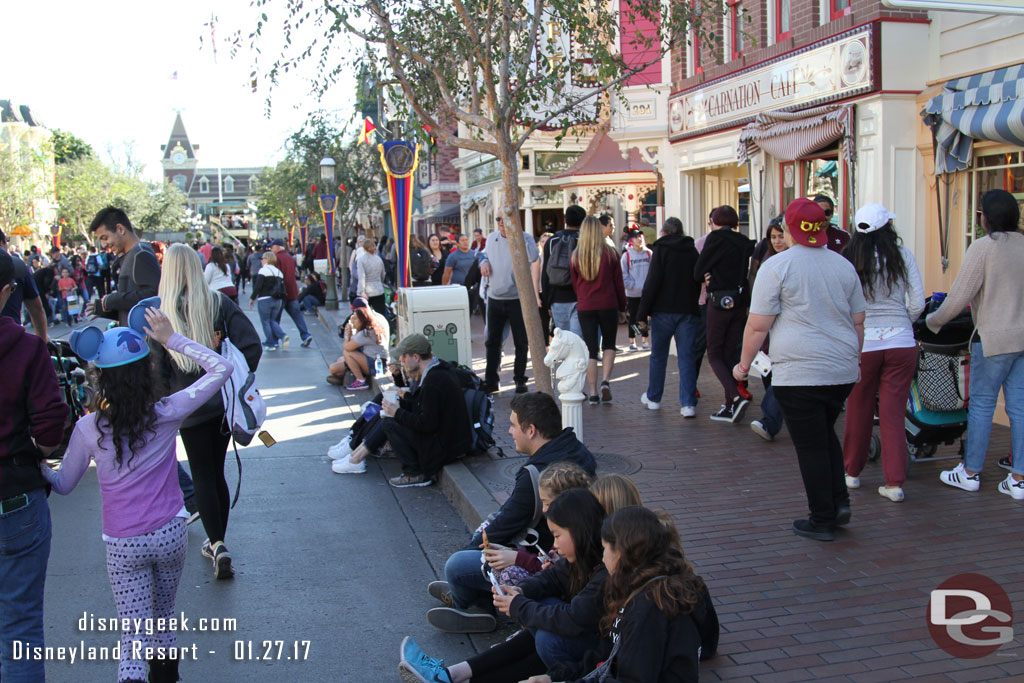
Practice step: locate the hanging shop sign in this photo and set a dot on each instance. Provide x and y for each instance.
(550, 163)
(828, 71)
(483, 173)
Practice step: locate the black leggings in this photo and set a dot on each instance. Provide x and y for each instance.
(378, 304)
(206, 447)
(636, 327)
(510, 662)
(608, 322)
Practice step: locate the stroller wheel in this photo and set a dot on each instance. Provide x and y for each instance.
(874, 448)
(928, 450)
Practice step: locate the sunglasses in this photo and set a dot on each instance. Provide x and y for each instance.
(829, 212)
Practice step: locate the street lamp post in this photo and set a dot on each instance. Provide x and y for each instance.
(303, 219)
(328, 202)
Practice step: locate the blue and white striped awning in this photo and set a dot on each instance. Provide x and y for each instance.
(988, 106)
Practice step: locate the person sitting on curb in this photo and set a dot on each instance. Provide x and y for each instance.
(536, 429)
(366, 336)
(431, 425)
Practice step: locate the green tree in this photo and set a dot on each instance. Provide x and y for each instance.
(68, 147)
(24, 170)
(502, 69)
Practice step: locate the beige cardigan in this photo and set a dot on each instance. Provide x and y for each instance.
(991, 279)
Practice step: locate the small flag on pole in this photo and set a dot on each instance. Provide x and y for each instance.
(342, 188)
(364, 135)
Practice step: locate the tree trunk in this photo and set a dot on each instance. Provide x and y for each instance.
(521, 264)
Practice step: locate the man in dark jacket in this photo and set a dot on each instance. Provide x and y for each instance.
(138, 268)
(556, 284)
(537, 432)
(431, 426)
(670, 298)
(32, 418)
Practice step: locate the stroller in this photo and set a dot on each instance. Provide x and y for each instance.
(76, 391)
(937, 407)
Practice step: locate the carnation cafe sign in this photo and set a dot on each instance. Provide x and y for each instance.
(829, 72)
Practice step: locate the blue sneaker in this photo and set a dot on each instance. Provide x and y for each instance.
(417, 666)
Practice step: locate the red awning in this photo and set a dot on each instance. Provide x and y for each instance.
(791, 135)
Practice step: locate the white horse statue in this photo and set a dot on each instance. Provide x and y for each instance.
(571, 350)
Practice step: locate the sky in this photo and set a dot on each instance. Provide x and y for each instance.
(115, 72)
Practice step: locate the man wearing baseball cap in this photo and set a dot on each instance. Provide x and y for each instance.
(811, 301)
(428, 427)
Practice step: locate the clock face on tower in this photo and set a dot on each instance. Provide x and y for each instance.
(178, 157)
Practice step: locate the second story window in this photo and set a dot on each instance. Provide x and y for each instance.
(204, 185)
(839, 8)
(782, 16)
(736, 29)
(229, 184)
(179, 180)
(698, 65)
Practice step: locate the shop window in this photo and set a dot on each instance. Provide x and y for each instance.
(821, 176)
(736, 28)
(783, 29)
(994, 171)
(180, 180)
(649, 209)
(839, 8)
(698, 64)
(787, 172)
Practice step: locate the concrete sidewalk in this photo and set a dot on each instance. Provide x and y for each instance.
(791, 609)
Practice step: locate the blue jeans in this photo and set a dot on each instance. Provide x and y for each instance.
(772, 413)
(988, 375)
(24, 552)
(291, 306)
(270, 309)
(469, 588)
(309, 303)
(684, 327)
(565, 318)
(552, 647)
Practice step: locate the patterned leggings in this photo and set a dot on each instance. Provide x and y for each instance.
(144, 573)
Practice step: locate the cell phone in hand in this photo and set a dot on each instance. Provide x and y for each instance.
(494, 582)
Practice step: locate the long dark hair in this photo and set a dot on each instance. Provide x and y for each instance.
(217, 256)
(127, 395)
(876, 255)
(579, 512)
(646, 551)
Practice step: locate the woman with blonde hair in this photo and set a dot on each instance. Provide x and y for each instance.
(208, 317)
(370, 270)
(601, 296)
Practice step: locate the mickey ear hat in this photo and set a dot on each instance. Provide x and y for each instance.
(137, 316)
(113, 348)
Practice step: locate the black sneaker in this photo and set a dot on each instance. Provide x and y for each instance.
(451, 620)
(594, 400)
(808, 529)
(307, 341)
(490, 388)
(843, 515)
(521, 388)
(1006, 463)
(738, 406)
(724, 414)
(222, 561)
(404, 481)
(606, 392)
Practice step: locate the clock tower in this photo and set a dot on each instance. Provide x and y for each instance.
(179, 157)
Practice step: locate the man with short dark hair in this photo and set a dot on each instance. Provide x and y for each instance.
(138, 268)
(536, 429)
(26, 293)
(286, 264)
(556, 283)
(32, 418)
(837, 237)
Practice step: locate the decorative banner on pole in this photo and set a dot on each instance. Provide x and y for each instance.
(302, 231)
(291, 235)
(400, 159)
(327, 204)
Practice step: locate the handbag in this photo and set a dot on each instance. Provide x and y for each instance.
(725, 299)
(942, 380)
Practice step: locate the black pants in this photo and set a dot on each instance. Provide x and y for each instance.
(724, 336)
(404, 444)
(500, 311)
(378, 304)
(811, 414)
(605, 321)
(510, 662)
(545, 324)
(636, 327)
(700, 341)
(206, 446)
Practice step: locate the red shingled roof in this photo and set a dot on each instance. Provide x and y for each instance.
(603, 156)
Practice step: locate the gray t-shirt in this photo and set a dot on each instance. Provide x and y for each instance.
(502, 284)
(460, 262)
(814, 293)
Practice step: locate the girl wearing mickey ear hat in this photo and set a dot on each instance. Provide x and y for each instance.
(131, 438)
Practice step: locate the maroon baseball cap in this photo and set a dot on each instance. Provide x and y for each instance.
(807, 223)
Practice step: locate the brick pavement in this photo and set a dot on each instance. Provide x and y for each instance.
(794, 609)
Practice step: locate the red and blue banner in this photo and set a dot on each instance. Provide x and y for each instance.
(328, 202)
(400, 159)
(303, 220)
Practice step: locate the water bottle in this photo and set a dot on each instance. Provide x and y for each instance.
(379, 366)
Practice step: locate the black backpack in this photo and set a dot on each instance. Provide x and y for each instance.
(420, 265)
(479, 406)
(560, 256)
(92, 265)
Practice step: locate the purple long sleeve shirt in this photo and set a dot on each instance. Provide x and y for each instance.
(142, 496)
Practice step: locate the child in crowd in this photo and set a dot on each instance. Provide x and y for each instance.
(636, 262)
(659, 619)
(68, 294)
(615, 491)
(131, 438)
(512, 565)
(554, 629)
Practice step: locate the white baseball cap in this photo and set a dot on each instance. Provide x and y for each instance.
(874, 216)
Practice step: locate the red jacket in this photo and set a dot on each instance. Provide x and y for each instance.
(603, 293)
(287, 265)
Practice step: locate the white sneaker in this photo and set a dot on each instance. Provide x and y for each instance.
(758, 428)
(688, 411)
(852, 482)
(346, 466)
(1012, 487)
(646, 346)
(895, 493)
(959, 478)
(340, 450)
(652, 405)
(632, 347)
(285, 342)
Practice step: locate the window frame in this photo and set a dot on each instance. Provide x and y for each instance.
(736, 45)
(835, 13)
(698, 64)
(779, 34)
(204, 185)
(229, 185)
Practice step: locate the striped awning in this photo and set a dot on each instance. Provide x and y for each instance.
(791, 135)
(988, 106)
